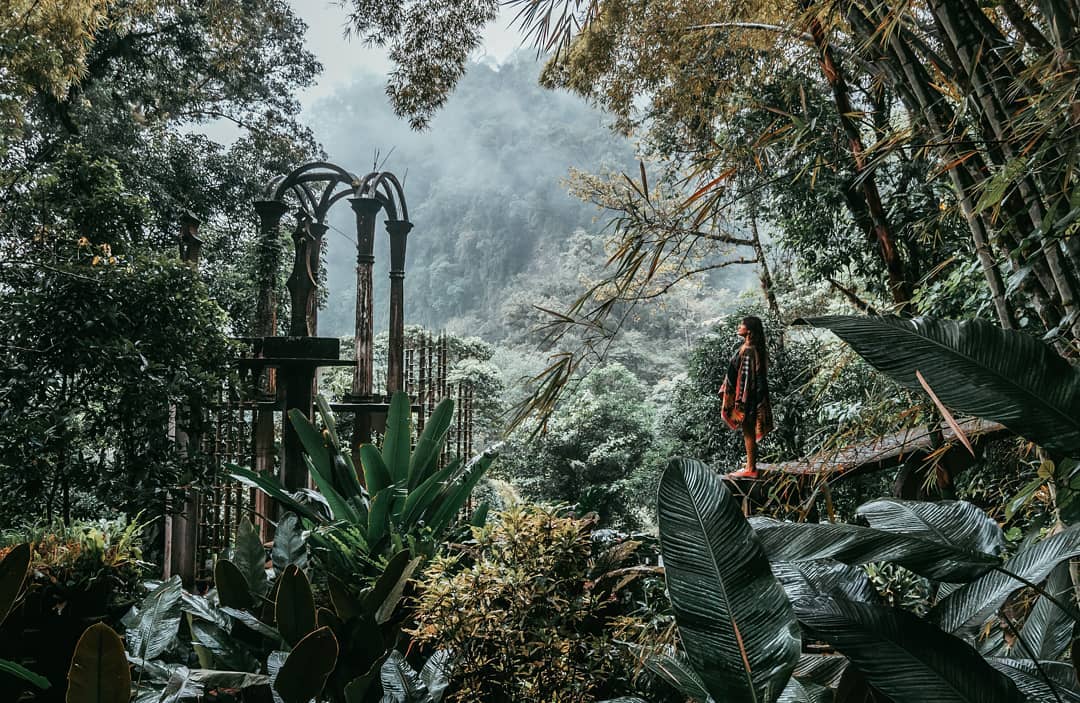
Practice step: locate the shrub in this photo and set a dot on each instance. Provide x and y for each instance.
(527, 610)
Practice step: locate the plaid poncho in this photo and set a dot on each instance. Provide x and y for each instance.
(745, 393)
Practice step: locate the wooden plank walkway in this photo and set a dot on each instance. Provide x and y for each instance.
(884, 452)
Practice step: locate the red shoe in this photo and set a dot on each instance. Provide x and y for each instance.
(742, 473)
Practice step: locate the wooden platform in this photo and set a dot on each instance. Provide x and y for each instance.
(885, 452)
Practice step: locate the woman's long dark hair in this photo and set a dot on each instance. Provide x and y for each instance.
(757, 340)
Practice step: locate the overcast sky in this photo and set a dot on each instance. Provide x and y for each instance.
(341, 57)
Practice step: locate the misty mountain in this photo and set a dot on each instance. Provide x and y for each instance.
(484, 191)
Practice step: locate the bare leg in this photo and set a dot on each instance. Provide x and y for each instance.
(750, 439)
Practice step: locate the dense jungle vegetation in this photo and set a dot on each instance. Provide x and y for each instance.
(891, 187)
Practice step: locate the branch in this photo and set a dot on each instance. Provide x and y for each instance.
(853, 298)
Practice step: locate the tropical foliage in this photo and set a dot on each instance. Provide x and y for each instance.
(525, 612)
(744, 591)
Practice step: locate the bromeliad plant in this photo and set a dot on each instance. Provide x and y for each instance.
(406, 501)
(749, 596)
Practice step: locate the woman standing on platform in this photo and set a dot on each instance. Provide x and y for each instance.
(745, 392)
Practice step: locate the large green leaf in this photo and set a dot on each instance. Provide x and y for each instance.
(294, 610)
(382, 598)
(976, 368)
(13, 570)
(958, 523)
(400, 682)
(307, 667)
(99, 668)
(436, 673)
(423, 496)
(249, 555)
(340, 507)
(21, 672)
(252, 623)
(225, 651)
(312, 440)
(1060, 680)
(429, 444)
(158, 620)
(943, 541)
(455, 494)
(811, 579)
(963, 610)
(232, 588)
(676, 671)
(290, 547)
(376, 475)
(1048, 628)
(906, 658)
(735, 622)
(398, 440)
(273, 488)
(822, 669)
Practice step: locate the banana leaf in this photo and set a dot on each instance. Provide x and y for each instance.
(232, 588)
(226, 652)
(436, 674)
(1027, 677)
(341, 508)
(822, 669)
(200, 607)
(158, 620)
(853, 544)
(976, 368)
(907, 659)
(965, 609)
(798, 692)
(1048, 629)
(958, 523)
(457, 490)
(400, 682)
(676, 671)
(382, 599)
(735, 622)
(252, 623)
(810, 579)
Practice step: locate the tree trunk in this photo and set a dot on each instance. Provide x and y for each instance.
(899, 286)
